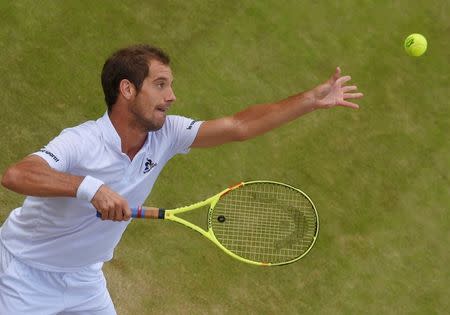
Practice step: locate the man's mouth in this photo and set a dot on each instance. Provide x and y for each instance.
(162, 109)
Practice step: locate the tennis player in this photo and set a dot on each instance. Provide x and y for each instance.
(53, 247)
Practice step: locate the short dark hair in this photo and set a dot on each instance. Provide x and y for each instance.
(131, 63)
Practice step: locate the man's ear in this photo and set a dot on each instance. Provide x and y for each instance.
(127, 89)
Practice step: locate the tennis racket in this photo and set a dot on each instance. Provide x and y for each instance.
(259, 222)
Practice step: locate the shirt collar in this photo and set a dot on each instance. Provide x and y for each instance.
(111, 136)
(109, 132)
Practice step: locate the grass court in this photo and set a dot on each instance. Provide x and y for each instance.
(379, 176)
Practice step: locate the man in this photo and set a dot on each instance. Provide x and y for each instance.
(53, 247)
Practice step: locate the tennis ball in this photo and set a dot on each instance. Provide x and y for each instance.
(415, 45)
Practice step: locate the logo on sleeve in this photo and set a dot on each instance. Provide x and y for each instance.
(191, 125)
(149, 165)
(43, 150)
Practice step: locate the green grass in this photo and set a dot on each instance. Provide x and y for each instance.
(378, 176)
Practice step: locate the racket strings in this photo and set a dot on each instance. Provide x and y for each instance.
(265, 222)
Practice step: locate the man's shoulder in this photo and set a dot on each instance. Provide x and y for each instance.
(180, 122)
(86, 130)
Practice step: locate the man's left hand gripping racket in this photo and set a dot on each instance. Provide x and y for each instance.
(259, 222)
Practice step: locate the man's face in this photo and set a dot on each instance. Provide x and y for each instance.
(154, 98)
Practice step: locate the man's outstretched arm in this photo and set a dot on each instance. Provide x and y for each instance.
(258, 119)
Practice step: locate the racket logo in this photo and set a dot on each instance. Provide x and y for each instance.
(149, 165)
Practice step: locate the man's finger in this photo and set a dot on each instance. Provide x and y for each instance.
(353, 95)
(349, 104)
(127, 214)
(336, 75)
(343, 79)
(349, 88)
(111, 214)
(118, 215)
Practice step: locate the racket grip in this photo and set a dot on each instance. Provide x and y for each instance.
(144, 212)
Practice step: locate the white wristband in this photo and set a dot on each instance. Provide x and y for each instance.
(88, 188)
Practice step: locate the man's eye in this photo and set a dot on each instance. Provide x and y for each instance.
(160, 85)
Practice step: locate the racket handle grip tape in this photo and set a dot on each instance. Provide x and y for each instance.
(144, 212)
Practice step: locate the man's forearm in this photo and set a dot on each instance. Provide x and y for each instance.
(33, 177)
(259, 119)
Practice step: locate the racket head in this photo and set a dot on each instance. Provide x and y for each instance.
(264, 223)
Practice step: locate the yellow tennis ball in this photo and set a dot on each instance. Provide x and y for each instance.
(415, 45)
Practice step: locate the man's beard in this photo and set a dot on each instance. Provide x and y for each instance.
(148, 125)
(145, 124)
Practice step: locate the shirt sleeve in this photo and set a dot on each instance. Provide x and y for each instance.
(183, 131)
(63, 152)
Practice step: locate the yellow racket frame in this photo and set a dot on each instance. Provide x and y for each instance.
(171, 215)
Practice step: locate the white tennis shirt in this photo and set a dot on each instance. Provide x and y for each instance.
(64, 234)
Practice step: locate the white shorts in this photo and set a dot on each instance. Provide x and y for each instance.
(30, 291)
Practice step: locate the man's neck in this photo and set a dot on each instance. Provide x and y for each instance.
(132, 137)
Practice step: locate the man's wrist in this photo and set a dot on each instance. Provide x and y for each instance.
(88, 188)
(311, 101)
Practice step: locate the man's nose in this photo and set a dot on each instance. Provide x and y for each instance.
(171, 96)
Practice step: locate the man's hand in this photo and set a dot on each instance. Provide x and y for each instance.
(111, 205)
(334, 93)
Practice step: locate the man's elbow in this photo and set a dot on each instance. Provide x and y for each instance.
(241, 133)
(10, 177)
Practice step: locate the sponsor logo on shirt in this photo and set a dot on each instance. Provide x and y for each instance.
(43, 150)
(191, 125)
(149, 165)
